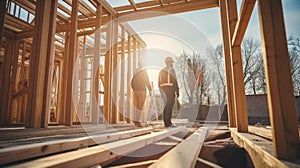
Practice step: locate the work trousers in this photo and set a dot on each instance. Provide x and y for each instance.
(169, 100)
(139, 98)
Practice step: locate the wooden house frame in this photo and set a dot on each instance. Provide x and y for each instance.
(52, 34)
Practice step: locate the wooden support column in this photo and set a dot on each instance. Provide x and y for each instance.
(13, 78)
(82, 99)
(228, 66)
(95, 71)
(59, 110)
(2, 17)
(122, 77)
(129, 72)
(237, 72)
(107, 77)
(49, 64)
(39, 70)
(281, 101)
(71, 60)
(10, 51)
(115, 74)
(63, 90)
(134, 53)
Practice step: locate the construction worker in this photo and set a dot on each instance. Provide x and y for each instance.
(139, 83)
(168, 86)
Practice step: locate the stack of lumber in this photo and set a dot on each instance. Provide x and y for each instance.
(104, 146)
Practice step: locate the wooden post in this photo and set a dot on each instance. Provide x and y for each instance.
(115, 74)
(2, 17)
(122, 77)
(72, 55)
(281, 101)
(82, 99)
(228, 67)
(13, 79)
(95, 71)
(59, 96)
(63, 90)
(41, 53)
(49, 64)
(129, 72)
(6, 80)
(237, 72)
(134, 53)
(107, 77)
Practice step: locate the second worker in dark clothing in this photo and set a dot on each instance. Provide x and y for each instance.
(168, 86)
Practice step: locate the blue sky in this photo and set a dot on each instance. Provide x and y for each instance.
(208, 22)
(195, 31)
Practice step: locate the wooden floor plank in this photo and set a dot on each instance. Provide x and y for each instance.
(186, 153)
(18, 153)
(101, 154)
(260, 150)
(263, 132)
(40, 139)
(29, 133)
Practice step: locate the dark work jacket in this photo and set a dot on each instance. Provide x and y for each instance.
(140, 81)
(167, 81)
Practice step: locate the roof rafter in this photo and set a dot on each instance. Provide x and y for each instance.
(133, 4)
(178, 7)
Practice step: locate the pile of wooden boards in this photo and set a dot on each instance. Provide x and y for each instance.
(97, 146)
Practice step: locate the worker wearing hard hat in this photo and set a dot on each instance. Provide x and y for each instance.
(168, 86)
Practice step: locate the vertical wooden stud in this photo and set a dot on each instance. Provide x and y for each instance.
(49, 64)
(107, 77)
(115, 74)
(228, 67)
(6, 80)
(129, 72)
(71, 60)
(2, 16)
(95, 71)
(237, 72)
(36, 112)
(281, 101)
(63, 90)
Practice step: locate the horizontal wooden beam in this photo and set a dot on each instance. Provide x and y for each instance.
(9, 33)
(243, 21)
(168, 9)
(131, 32)
(18, 153)
(101, 154)
(107, 7)
(186, 153)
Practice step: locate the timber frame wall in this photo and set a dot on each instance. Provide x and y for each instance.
(53, 41)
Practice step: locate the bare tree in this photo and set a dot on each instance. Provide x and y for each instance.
(252, 64)
(217, 73)
(191, 90)
(294, 53)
